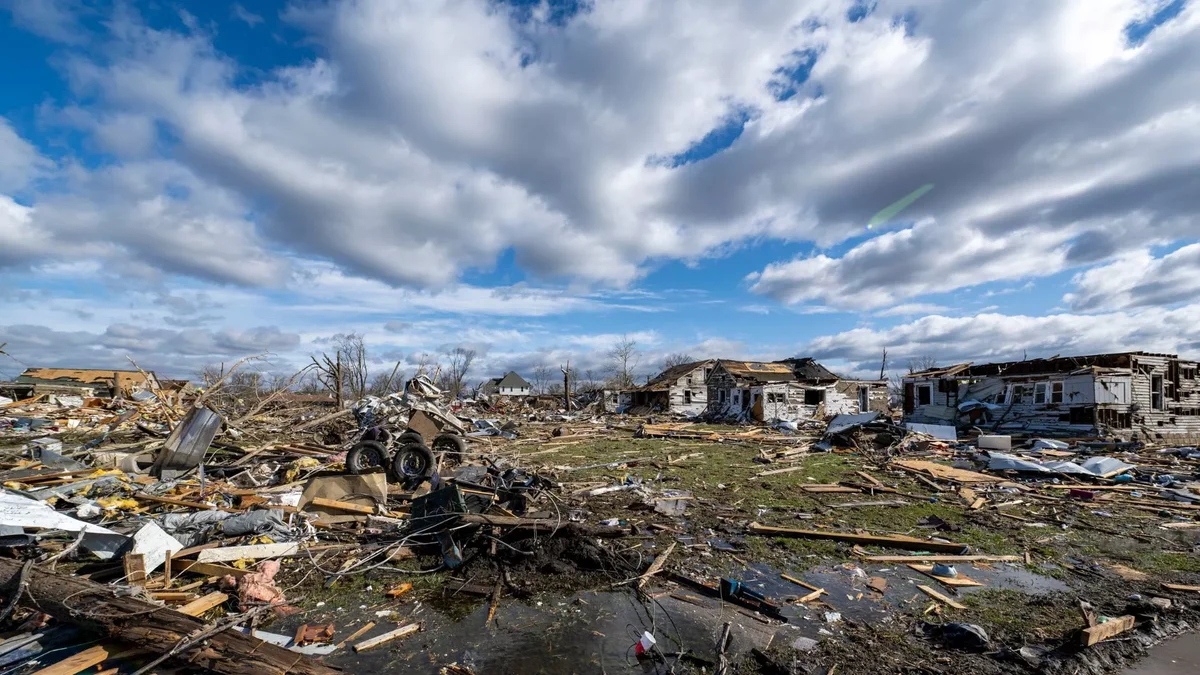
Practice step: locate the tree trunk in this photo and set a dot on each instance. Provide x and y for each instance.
(94, 607)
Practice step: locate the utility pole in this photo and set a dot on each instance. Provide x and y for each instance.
(566, 371)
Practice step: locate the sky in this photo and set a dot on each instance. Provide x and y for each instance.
(187, 183)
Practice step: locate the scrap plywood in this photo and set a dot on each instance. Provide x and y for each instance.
(920, 466)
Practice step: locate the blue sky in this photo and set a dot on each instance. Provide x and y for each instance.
(190, 182)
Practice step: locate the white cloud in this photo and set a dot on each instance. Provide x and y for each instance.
(1138, 279)
(245, 16)
(912, 309)
(997, 337)
(431, 137)
(20, 162)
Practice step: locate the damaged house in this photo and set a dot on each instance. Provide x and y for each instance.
(82, 382)
(1103, 394)
(791, 389)
(681, 389)
(511, 384)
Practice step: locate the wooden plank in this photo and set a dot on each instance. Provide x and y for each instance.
(251, 552)
(773, 472)
(798, 582)
(1103, 631)
(135, 568)
(343, 506)
(179, 502)
(891, 541)
(940, 558)
(1182, 587)
(211, 570)
(940, 597)
(85, 659)
(203, 604)
(812, 596)
(959, 580)
(387, 637)
(356, 634)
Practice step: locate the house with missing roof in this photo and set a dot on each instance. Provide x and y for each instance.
(84, 382)
(1120, 394)
(681, 389)
(511, 384)
(791, 389)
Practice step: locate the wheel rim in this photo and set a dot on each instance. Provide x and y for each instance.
(369, 458)
(412, 464)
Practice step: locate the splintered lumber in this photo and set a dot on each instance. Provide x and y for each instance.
(940, 597)
(812, 596)
(888, 540)
(76, 663)
(203, 604)
(94, 607)
(387, 637)
(543, 525)
(250, 552)
(656, 566)
(920, 466)
(1181, 587)
(343, 506)
(1103, 631)
(959, 580)
(210, 569)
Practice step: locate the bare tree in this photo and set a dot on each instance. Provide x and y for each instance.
(353, 352)
(919, 363)
(883, 364)
(541, 378)
(677, 359)
(623, 359)
(459, 361)
(385, 383)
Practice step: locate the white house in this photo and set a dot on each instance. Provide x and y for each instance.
(511, 384)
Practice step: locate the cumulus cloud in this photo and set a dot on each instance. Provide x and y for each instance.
(430, 137)
(1138, 279)
(998, 337)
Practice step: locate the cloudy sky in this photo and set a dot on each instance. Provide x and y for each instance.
(187, 182)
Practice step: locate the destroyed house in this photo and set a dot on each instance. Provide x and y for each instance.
(791, 389)
(1103, 394)
(679, 389)
(81, 382)
(838, 395)
(511, 384)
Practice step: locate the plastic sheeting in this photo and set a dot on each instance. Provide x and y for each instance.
(1094, 466)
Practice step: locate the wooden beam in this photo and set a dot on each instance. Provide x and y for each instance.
(250, 552)
(343, 506)
(656, 566)
(940, 597)
(203, 604)
(387, 637)
(959, 580)
(94, 608)
(890, 541)
(1103, 631)
(85, 659)
(940, 558)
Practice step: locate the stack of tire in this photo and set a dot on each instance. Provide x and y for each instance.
(412, 462)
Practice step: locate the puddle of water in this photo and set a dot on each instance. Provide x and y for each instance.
(1180, 656)
(585, 632)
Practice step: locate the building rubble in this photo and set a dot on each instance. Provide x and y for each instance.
(210, 533)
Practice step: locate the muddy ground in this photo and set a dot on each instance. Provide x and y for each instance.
(565, 610)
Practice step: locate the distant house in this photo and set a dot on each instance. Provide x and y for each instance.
(82, 382)
(791, 389)
(679, 389)
(511, 384)
(1103, 394)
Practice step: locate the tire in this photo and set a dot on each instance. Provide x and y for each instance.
(410, 436)
(412, 462)
(366, 455)
(451, 444)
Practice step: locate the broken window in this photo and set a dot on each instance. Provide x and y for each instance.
(1056, 392)
(814, 396)
(1156, 392)
(776, 397)
(687, 396)
(924, 394)
(1039, 392)
(864, 399)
